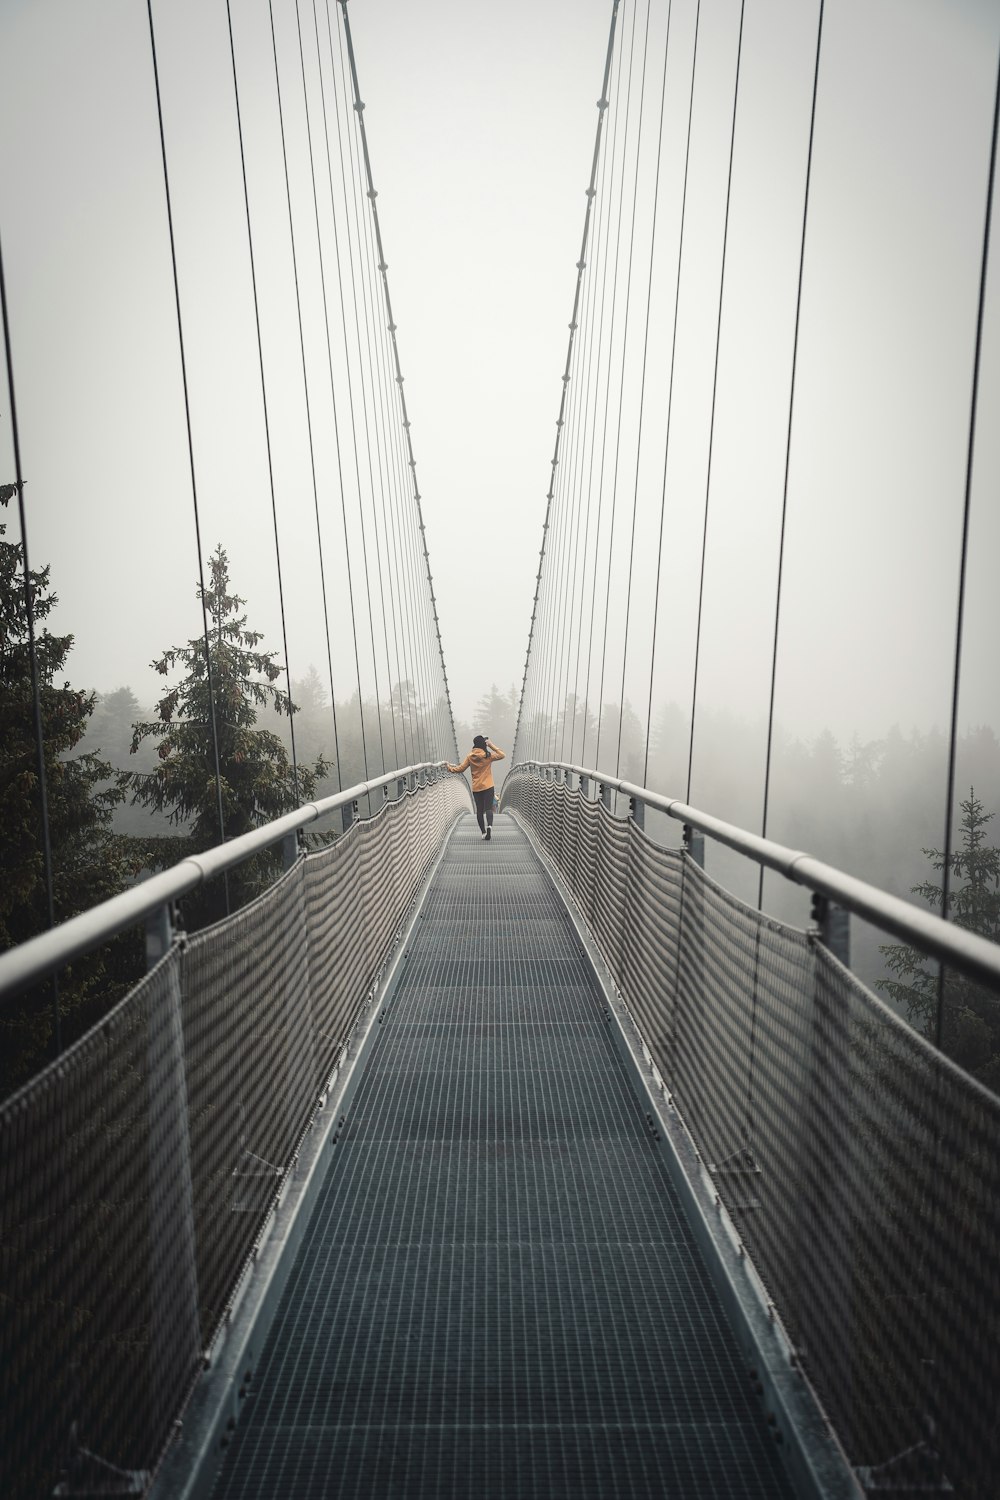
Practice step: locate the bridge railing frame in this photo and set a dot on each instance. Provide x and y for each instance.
(152, 901)
(855, 1165)
(834, 891)
(151, 1173)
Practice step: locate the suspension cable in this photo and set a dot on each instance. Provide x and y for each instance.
(400, 534)
(962, 580)
(621, 394)
(607, 202)
(359, 107)
(190, 441)
(333, 392)
(36, 687)
(604, 195)
(673, 363)
(642, 389)
(601, 194)
(574, 481)
(788, 444)
(405, 533)
(350, 203)
(267, 424)
(612, 521)
(602, 106)
(368, 393)
(563, 478)
(381, 419)
(711, 426)
(602, 260)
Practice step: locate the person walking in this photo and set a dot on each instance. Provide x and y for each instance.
(480, 758)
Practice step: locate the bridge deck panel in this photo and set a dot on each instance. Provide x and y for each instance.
(498, 1293)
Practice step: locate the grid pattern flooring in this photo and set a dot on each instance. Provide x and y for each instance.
(498, 1295)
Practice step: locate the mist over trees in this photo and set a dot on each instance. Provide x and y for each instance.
(132, 790)
(90, 862)
(969, 1012)
(357, 740)
(870, 807)
(218, 775)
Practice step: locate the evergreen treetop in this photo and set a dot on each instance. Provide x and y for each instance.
(206, 723)
(970, 1022)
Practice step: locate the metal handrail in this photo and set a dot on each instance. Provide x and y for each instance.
(39, 956)
(955, 946)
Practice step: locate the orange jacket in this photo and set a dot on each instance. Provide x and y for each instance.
(481, 763)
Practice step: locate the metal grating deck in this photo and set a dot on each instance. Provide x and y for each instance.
(498, 1295)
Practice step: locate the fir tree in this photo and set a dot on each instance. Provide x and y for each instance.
(971, 1012)
(218, 701)
(89, 862)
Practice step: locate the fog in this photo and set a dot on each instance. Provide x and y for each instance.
(671, 487)
(675, 509)
(478, 145)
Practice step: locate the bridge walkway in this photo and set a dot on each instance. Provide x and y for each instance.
(498, 1293)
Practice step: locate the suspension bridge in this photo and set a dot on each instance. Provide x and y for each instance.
(590, 1159)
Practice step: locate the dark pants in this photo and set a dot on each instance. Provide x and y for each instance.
(484, 805)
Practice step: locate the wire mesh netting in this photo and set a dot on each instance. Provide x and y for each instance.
(137, 1171)
(860, 1166)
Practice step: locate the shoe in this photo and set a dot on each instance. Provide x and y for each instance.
(485, 835)
(489, 834)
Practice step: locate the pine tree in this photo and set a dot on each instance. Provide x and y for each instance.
(971, 1012)
(219, 700)
(89, 862)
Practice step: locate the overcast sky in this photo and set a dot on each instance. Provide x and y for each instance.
(481, 122)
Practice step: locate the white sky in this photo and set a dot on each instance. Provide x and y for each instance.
(481, 122)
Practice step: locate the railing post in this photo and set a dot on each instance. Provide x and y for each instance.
(604, 791)
(349, 812)
(694, 843)
(637, 811)
(401, 788)
(585, 786)
(159, 936)
(834, 924)
(289, 850)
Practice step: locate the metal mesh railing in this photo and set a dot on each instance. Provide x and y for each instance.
(138, 1171)
(860, 1167)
